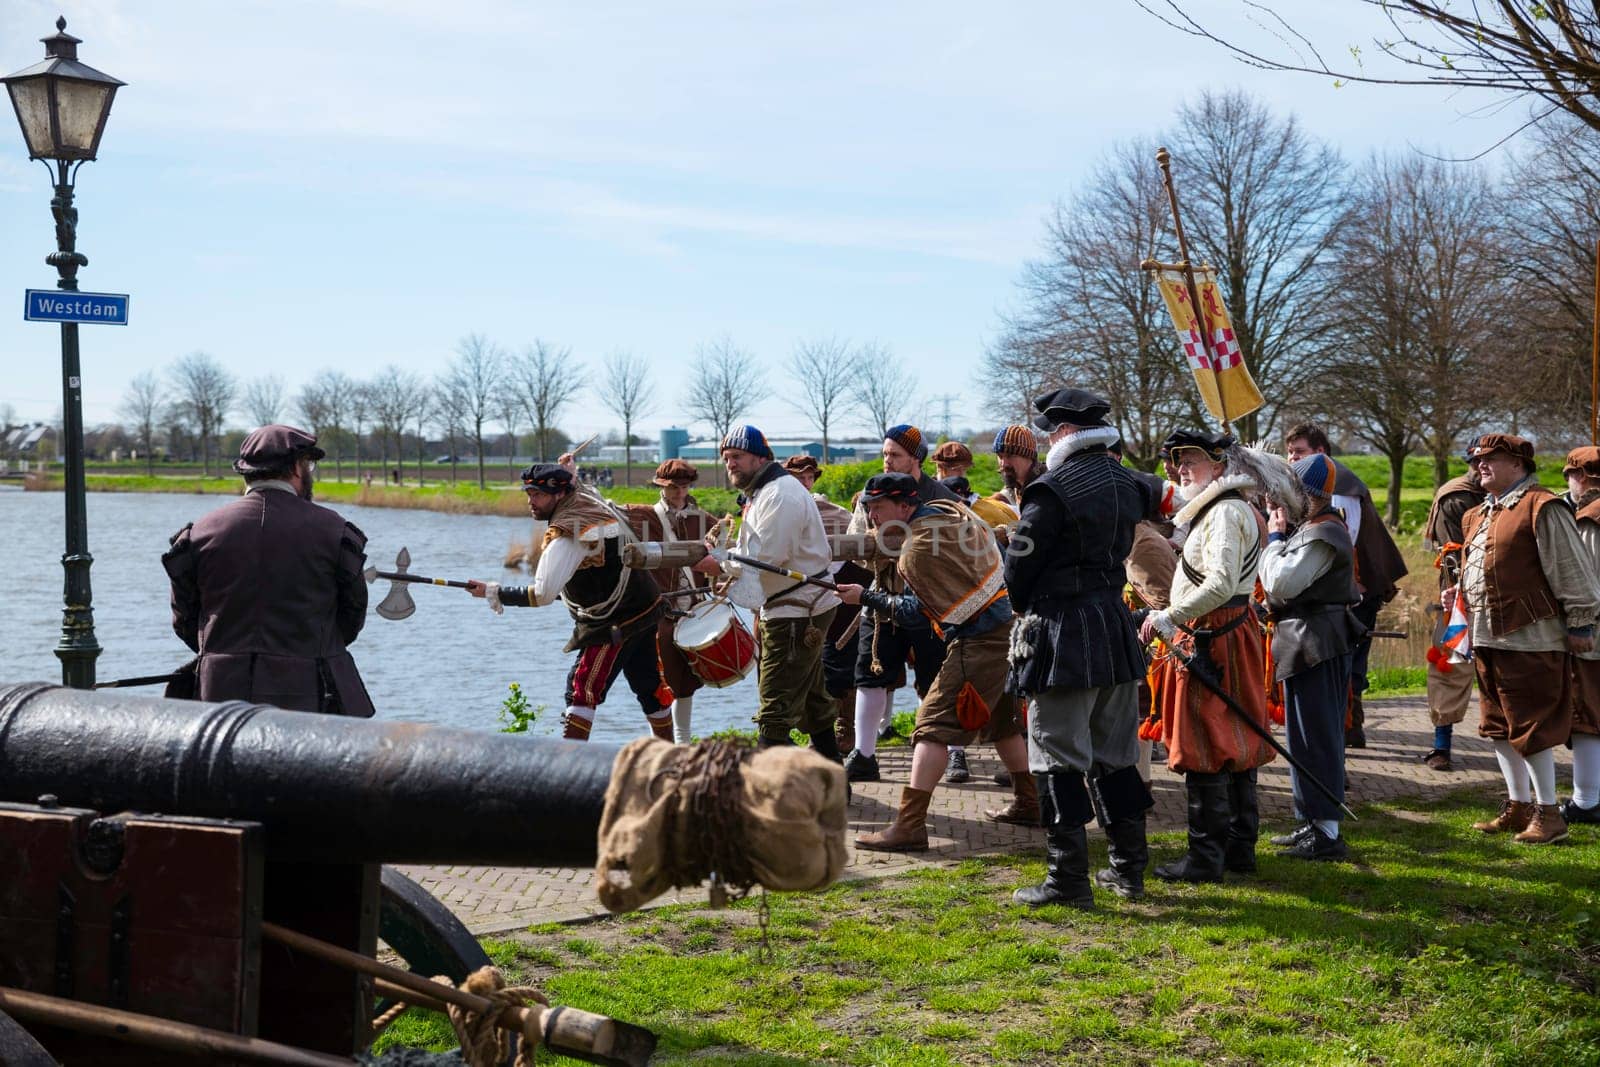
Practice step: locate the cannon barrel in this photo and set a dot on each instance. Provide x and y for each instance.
(326, 788)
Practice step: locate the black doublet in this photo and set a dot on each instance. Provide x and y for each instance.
(1064, 567)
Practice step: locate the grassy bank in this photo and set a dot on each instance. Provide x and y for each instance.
(1437, 946)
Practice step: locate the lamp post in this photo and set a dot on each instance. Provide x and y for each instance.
(62, 106)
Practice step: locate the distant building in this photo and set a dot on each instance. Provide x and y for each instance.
(25, 440)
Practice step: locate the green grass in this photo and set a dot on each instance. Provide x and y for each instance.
(1437, 946)
(1396, 682)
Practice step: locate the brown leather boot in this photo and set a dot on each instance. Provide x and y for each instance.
(1514, 817)
(1545, 828)
(909, 831)
(1024, 807)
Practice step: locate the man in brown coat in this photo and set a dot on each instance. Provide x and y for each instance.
(268, 589)
(1531, 605)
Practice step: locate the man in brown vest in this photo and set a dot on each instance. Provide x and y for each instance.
(1379, 564)
(268, 589)
(1582, 472)
(1449, 684)
(1531, 605)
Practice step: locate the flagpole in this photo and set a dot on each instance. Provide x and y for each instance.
(1203, 327)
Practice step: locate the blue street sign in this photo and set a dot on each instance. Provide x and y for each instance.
(58, 305)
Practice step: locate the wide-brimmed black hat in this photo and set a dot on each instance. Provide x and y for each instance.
(1212, 444)
(275, 447)
(1077, 407)
(901, 487)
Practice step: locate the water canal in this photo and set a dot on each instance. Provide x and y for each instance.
(449, 663)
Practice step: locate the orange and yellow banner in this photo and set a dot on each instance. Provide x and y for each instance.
(1228, 390)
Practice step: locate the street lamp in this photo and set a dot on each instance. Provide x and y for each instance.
(62, 106)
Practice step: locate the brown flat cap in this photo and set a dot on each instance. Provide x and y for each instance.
(274, 448)
(1585, 459)
(953, 453)
(802, 464)
(676, 470)
(1519, 448)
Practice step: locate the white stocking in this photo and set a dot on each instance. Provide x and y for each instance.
(682, 709)
(1542, 765)
(1586, 770)
(869, 710)
(1515, 770)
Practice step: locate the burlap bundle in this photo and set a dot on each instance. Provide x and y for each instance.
(675, 814)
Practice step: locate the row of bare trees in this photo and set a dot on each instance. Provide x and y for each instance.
(485, 387)
(1405, 301)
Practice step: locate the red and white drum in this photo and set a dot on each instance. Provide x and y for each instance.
(721, 650)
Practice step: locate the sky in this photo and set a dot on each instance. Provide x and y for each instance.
(295, 185)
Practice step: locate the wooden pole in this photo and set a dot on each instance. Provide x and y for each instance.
(183, 1039)
(1594, 356)
(581, 1034)
(1164, 161)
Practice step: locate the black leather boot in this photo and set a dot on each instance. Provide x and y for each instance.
(826, 745)
(1244, 823)
(1208, 831)
(1064, 807)
(1121, 800)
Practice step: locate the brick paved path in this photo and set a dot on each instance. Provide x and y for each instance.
(496, 900)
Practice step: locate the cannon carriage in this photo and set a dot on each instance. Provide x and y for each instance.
(182, 877)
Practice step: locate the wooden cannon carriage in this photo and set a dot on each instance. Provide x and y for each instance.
(187, 877)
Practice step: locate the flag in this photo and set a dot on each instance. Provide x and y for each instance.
(1456, 640)
(1228, 391)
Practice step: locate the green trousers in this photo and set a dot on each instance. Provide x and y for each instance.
(790, 686)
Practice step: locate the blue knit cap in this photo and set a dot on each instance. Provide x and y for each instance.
(909, 438)
(1317, 475)
(748, 439)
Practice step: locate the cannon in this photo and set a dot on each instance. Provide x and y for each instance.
(157, 854)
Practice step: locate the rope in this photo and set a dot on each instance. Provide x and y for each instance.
(483, 1042)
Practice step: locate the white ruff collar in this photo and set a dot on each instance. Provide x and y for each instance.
(1077, 442)
(1222, 485)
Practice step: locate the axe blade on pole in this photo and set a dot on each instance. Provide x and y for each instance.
(398, 604)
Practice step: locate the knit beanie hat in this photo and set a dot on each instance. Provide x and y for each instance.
(1317, 475)
(909, 438)
(747, 439)
(1016, 441)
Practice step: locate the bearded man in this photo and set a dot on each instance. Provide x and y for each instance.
(781, 526)
(1531, 605)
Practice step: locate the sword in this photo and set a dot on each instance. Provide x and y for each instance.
(1201, 669)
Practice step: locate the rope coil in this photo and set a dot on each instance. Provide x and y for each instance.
(483, 1042)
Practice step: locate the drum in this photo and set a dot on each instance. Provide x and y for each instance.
(719, 648)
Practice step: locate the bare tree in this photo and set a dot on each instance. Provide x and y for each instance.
(263, 399)
(1548, 247)
(360, 412)
(141, 408)
(823, 371)
(1091, 317)
(325, 403)
(1262, 201)
(449, 416)
(421, 416)
(508, 412)
(1543, 49)
(881, 386)
(723, 384)
(547, 379)
(476, 377)
(395, 395)
(207, 393)
(1370, 386)
(627, 394)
